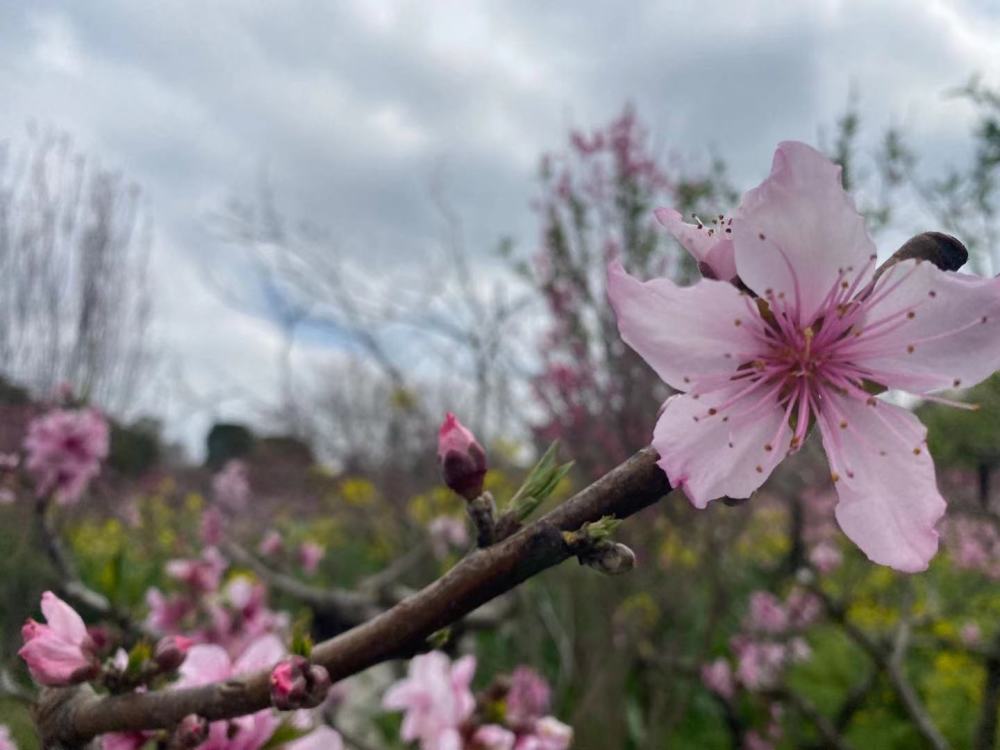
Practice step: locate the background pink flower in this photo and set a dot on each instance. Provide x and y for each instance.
(65, 448)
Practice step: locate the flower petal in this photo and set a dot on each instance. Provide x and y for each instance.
(682, 332)
(889, 501)
(263, 653)
(932, 329)
(724, 455)
(709, 245)
(63, 619)
(204, 663)
(799, 229)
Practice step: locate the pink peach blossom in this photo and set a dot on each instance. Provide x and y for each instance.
(65, 448)
(207, 663)
(60, 652)
(231, 486)
(6, 742)
(493, 737)
(446, 533)
(755, 373)
(436, 697)
(717, 676)
(461, 457)
(548, 734)
(202, 574)
(767, 613)
(528, 697)
(825, 557)
(310, 556)
(271, 544)
(321, 738)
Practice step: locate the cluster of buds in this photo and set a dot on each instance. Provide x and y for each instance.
(297, 683)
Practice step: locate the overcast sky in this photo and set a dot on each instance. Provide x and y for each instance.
(351, 108)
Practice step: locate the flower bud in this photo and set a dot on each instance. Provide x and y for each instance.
(60, 652)
(171, 651)
(610, 558)
(191, 732)
(461, 457)
(295, 683)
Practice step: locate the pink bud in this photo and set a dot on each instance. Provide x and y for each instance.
(295, 683)
(171, 651)
(191, 731)
(59, 652)
(271, 544)
(461, 457)
(493, 737)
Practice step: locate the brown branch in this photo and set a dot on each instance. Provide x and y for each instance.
(828, 731)
(70, 717)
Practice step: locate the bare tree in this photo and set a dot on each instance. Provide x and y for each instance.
(74, 246)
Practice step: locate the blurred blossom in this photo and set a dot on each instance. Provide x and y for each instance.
(717, 676)
(548, 734)
(211, 526)
(7, 496)
(65, 449)
(271, 544)
(321, 738)
(6, 741)
(60, 652)
(166, 612)
(208, 663)
(825, 557)
(802, 246)
(447, 533)
(461, 458)
(975, 545)
(231, 486)
(767, 614)
(970, 634)
(528, 697)
(759, 663)
(803, 608)
(201, 574)
(755, 741)
(437, 699)
(9, 461)
(493, 737)
(310, 556)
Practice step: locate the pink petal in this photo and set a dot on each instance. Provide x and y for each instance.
(63, 619)
(682, 332)
(951, 344)
(889, 504)
(204, 663)
(710, 458)
(321, 738)
(263, 653)
(810, 230)
(714, 250)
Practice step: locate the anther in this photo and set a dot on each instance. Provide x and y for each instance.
(737, 322)
(760, 469)
(712, 412)
(843, 424)
(871, 401)
(909, 349)
(835, 476)
(761, 236)
(932, 293)
(956, 382)
(983, 319)
(768, 447)
(916, 451)
(911, 315)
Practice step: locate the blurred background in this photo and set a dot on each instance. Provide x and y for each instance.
(294, 235)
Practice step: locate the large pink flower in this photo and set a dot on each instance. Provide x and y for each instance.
(755, 373)
(65, 449)
(60, 652)
(436, 698)
(207, 663)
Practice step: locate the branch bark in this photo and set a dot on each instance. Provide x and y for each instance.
(986, 727)
(70, 717)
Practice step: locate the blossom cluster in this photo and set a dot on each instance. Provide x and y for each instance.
(442, 713)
